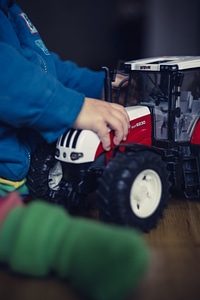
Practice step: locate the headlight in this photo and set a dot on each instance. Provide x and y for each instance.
(76, 155)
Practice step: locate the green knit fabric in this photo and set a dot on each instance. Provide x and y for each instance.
(102, 262)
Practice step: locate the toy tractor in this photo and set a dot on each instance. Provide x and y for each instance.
(161, 156)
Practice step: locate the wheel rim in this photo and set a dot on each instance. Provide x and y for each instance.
(55, 176)
(145, 193)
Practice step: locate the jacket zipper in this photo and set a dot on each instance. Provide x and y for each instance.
(45, 68)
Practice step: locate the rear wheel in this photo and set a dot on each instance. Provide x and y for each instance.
(134, 189)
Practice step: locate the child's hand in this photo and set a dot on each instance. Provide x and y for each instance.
(99, 115)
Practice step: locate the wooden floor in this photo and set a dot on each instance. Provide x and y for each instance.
(174, 272)
(175, 266)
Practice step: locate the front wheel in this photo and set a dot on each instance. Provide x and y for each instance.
(134, 189)
(45, 179)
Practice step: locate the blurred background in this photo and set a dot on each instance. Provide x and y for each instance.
(94, 33)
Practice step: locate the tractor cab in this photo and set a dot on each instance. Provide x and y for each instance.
(170, 87)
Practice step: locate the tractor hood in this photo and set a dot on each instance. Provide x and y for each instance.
(81, 146)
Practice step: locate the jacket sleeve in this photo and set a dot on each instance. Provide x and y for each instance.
(34, 99)
(82, 80)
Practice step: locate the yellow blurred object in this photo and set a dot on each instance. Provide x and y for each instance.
(14, 184)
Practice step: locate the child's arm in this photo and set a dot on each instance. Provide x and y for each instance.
(34, 99)
(82, 80)
(37, 100)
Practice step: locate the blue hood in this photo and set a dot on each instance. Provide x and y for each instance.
(5, 4)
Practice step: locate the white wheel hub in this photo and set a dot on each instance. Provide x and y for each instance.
(145, 193)
(55, 176)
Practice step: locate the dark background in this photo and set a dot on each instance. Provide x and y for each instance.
(94, 33)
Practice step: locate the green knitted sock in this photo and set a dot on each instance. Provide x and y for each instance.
(103, 262)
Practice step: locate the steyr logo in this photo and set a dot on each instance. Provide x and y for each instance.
(138, 124)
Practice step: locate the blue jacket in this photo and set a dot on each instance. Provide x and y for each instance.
(40, 95)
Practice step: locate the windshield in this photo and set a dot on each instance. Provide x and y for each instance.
(148, 87)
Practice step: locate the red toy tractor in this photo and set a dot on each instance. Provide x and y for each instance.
(161, 156)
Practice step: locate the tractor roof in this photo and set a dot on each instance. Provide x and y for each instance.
(162, 63)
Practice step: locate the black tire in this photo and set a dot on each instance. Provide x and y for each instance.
(39, 182)
(122, 176)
